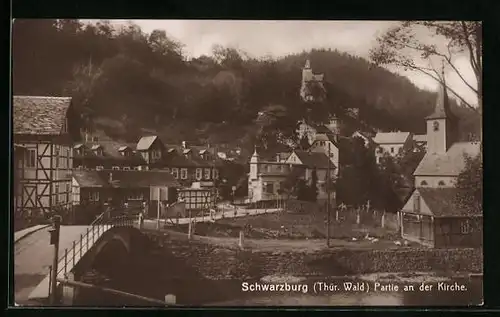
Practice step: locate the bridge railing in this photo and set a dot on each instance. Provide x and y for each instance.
(80, 246)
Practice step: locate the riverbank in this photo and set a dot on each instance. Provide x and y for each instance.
(216, 261)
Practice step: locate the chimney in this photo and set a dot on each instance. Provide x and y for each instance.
(86, 136)
(110, 177)
(184, 145)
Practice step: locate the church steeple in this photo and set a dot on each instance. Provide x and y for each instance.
(442, 108)
(442, 123)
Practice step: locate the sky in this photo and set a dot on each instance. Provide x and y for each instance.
(278, 38)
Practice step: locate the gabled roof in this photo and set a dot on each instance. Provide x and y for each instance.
(139, 179)
(450, 163)
(145, 142)
(325, 137)
(78, 145)
(123, 148)
(314, 159)
(442, 202)
(110, 151)
(95, 147)
(391, 137)
(39, 115)
(89, 178)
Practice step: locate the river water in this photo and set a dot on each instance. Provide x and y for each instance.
(159, 276)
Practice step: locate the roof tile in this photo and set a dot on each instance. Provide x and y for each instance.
(39, 115)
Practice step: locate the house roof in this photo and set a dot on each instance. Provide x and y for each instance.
(420, 137)
(89, 178)
(325, 137)
(140, 179)
(111, 150)
(39, 115)
(314, 159)
(123, 148)
(442, 202)
(145, 142)
(391, 137)
(450, 163)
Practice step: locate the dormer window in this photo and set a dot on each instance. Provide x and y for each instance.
(124, 151)
(156, 154)
(97, 149)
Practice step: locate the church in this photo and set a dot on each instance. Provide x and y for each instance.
(430, 216)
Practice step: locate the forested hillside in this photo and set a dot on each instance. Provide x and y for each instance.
(127, 82)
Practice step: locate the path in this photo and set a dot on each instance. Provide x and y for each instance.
(227, 212)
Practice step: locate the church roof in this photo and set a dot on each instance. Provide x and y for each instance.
(391, 137)
(450, 163)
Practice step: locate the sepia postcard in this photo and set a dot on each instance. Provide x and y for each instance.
(222, 163)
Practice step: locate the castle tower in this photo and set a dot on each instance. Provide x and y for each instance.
(307, 76)
(442, 123)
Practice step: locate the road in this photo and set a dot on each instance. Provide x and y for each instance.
(227, 212)
(33, 255)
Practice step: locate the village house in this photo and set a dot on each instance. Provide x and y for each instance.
(90, 187)
(18, 174)
(266, 179)
(431, 215)
(45, 127)
(191, 163)
(420, 140)
(391, 143)
(107, 154)
(311, 162)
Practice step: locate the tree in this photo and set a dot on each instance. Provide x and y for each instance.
(304, 143)
(313, 188)
(82, 88)
(399, 46)
(301, 190)
(470, 185)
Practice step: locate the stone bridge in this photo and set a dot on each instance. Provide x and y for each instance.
(80, 248)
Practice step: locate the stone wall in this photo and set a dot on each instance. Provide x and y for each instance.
(222, 262)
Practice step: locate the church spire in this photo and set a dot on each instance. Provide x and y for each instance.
(442, 108)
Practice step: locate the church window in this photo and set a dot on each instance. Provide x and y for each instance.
(435, 126)
(423, 183)
(441, 183)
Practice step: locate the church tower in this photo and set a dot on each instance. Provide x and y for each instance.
(441, 124)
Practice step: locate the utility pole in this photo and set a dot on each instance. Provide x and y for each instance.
(328, 199)
(158, 211)
(54, 240)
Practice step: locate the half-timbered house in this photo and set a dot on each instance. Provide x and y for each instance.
(45, 127)
(18, 175)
